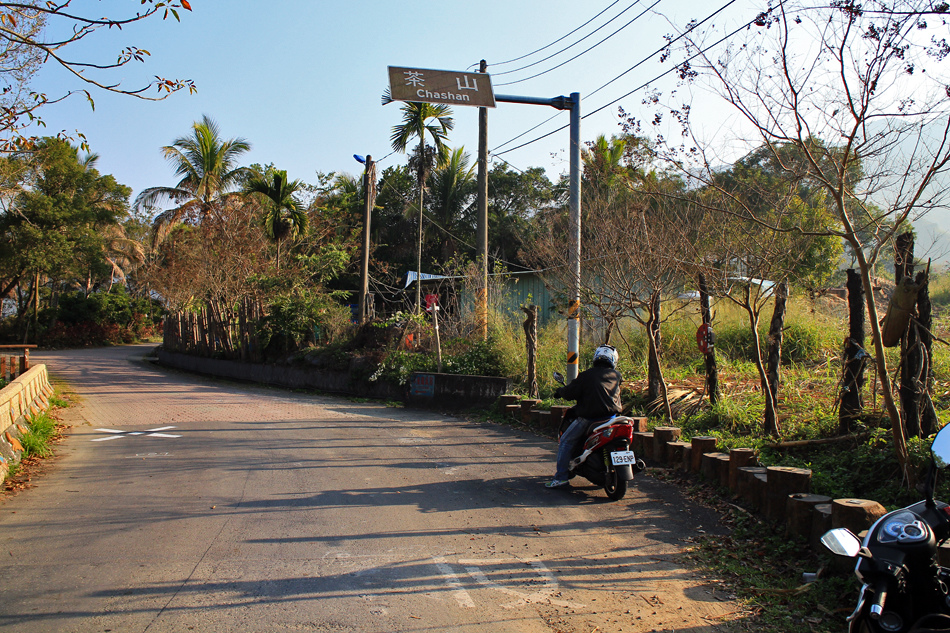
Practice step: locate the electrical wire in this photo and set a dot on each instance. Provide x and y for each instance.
(569, 46)
(643, 85)
(557, 40)
(688, 59)
(665, 46)
(529, 130)
(638, 16)
(635, 66)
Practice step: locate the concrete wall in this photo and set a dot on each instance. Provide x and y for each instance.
(455, 391)
(23, 398)
(293, 376)
(446, 391)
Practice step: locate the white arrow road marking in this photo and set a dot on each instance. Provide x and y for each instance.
(116, 434)
(461, 596)
(543, 596)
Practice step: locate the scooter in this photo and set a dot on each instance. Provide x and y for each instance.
(605, 458)
(903, 589)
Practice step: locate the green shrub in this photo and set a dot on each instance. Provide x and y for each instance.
(102, 318)
(306, 316)
(481, 358)
(115, 306)
(36, 441)
(399, 365)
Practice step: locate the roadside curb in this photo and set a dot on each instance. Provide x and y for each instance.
(26, 396)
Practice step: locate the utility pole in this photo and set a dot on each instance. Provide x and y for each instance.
(572, 103)
(418, 309)
(482, 308)
(369, 199)
(574, 309)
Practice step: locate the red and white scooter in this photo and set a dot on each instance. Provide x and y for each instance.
(605, 458)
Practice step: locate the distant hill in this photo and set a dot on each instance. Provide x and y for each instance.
(933, 239)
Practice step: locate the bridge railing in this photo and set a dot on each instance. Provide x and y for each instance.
(14, 360)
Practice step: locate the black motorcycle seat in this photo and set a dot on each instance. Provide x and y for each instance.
(933, 623)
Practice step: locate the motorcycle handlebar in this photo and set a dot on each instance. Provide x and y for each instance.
(880, 595)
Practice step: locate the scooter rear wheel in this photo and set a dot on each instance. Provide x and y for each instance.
(615, 487)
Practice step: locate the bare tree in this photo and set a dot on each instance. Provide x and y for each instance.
(633, 243)
(861, 92)
(33, 33)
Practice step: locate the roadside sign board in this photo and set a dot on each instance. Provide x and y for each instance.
(441, 86)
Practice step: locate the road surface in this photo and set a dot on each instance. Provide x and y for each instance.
(183, 503)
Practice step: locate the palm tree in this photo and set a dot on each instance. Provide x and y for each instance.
(416, 124)
(121, 252)
(603, 162)
(207, 166)
(452, 188)
(284, 215)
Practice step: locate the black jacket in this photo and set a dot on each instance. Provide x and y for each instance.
(597, 392)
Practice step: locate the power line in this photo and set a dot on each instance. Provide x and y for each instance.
(672, 41)
(688, 59)
(643, 85)
(559, 39)
(529, 130)
(564, 63)
(569, 46)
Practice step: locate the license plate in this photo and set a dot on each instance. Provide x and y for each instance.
(622, 458)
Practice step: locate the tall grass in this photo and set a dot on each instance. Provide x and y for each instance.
(41, 431)
(940, 289)
(810, 376)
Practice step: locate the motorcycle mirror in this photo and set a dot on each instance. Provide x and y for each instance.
(559, 377)
(842, 541)
(940, 448)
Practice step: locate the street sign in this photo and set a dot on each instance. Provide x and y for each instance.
(705, 338)
(441, 86)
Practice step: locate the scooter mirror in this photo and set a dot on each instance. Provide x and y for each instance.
(842, 541)
(559, 377)
(941, 448)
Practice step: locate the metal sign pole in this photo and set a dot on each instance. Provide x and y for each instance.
(574, 316)
(572, 103)
(475, 89)
(483, 214)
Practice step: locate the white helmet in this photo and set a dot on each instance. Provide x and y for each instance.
(606, 353)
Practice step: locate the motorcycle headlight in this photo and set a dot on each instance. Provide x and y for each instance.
(890, 621)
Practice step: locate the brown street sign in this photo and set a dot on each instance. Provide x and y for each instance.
(441, 86)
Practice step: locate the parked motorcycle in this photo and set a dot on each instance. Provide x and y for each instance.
(605, 458)
(903, 588)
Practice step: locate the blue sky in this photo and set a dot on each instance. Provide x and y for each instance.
(302, 79)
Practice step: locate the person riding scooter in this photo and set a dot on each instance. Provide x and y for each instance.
(597, 392)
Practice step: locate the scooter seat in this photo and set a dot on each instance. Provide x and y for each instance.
(594, 424)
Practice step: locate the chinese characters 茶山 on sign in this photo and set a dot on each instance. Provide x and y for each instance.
(441, 86)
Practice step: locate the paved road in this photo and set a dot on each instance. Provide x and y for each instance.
(180, 503)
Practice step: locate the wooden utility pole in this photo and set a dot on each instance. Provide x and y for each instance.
(855, 356)
(928, 419)
(911, 357)
(369, 199)
(531, 347)
(482, 309)
(712, 371)
(776, 334)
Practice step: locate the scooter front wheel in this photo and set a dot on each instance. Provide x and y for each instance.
(615, 487)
